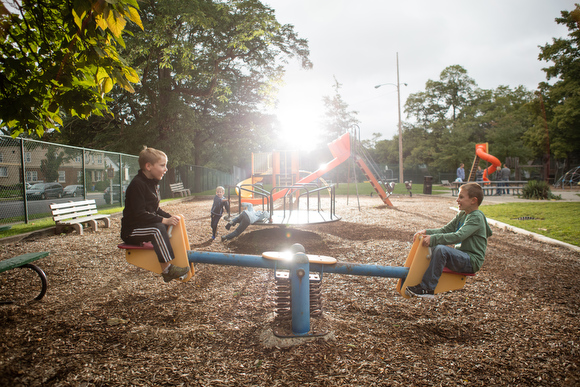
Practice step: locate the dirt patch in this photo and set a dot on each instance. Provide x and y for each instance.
(105, 322)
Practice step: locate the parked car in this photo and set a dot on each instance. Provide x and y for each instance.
(116, 189)
(74, 190)
(44, 190)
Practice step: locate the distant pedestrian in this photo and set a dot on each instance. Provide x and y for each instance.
(460, 174)
(479, 174)
(505, 176)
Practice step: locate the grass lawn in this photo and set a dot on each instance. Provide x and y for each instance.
(556, 220)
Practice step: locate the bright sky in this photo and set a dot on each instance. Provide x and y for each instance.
(496, 41)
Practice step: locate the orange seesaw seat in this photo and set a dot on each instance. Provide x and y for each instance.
(145, 257)
(418, 261)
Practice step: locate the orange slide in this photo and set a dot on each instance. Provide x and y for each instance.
(340, 149)
(481, 152)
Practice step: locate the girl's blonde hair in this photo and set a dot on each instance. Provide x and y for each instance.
(150, 155)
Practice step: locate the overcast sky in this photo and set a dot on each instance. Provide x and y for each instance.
(496, 41)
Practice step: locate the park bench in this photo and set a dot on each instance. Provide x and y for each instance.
(178, 188)
(78, 215)
(490, 187)
(21, 262)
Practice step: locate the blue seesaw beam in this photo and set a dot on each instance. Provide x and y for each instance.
(257, 261)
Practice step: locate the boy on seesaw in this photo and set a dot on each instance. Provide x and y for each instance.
(468, 231)
(143, 220)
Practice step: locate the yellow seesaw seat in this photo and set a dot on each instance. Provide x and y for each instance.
(145, 257)
(285, 256)
(418, 261)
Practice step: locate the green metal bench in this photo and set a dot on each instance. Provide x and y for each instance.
(20, 278)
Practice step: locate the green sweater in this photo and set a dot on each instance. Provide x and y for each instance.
(468, 233)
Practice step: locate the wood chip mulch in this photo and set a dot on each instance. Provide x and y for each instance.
(105, 322)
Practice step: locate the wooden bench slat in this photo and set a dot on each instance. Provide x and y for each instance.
(84, 219)
(71, 203)
(76, 214)
(178, 188)
(14, 262)
(60, 218)
(67, 210)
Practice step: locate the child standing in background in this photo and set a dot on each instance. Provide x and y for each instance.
(217, 209)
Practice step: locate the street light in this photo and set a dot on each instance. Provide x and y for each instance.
(401, 177)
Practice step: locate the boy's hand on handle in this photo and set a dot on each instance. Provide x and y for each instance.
(173, 221)
(426, 240)
(418, 234)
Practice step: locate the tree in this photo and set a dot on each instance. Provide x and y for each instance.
(60, 57)
(562, 98)
(452, 115)
(50, 165)
(339, 119)
(207, 68)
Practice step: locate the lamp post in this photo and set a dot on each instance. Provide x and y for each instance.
(401, 177)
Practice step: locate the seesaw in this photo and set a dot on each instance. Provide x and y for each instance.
(418, 261)
(145, 257)
(298, 296)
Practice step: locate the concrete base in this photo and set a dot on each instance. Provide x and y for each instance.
(269, 340)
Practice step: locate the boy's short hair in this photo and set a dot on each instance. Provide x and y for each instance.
(150, 155)
(473, 190)
(220, 188)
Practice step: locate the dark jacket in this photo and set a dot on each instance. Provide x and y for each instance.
(218, 205)
(141, 205)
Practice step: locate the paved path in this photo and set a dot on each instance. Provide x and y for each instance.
(567, 196)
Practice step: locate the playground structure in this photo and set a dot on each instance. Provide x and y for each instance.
(481, 153)
(290, 184)
(570, 179)
(297, 298)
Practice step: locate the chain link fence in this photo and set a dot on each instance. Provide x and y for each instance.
(34, 174)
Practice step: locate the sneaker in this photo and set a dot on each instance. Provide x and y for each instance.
(228, 226)
(174, 272)
(418, 291)
(213, 237)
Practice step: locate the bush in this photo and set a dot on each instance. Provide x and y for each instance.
(538, 190)
(101, 185)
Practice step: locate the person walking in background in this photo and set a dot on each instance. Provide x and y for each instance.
(479, 174)
(460, 173)
(505, 176)
(217, 209)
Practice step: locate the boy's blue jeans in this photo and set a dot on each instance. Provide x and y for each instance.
(444, 256)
